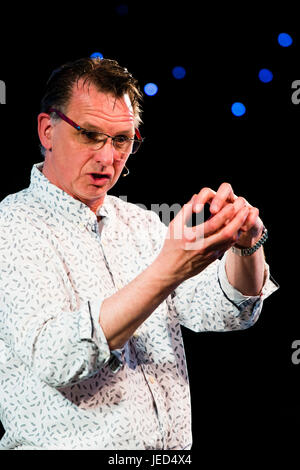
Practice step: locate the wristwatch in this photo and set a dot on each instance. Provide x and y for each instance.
(249, 251)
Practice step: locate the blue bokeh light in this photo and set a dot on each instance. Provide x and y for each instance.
(179, 72)
(284, 39)
(150, 89)
(96, 54)
(238, 109)
(265, 75)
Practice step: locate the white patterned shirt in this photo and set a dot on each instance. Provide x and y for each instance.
(60, 385)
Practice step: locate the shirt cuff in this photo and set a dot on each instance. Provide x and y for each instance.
(235, 295)
(90, 330)
(95, 333)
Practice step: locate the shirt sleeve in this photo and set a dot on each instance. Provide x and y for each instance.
(239, 299)
(59, 341)
(207, 302)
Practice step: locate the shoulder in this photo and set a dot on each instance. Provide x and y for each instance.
(19, 219)
(14, 207)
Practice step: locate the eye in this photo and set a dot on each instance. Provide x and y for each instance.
(90, 136)
(121, 139)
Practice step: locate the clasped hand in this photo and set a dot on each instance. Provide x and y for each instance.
(233, 221)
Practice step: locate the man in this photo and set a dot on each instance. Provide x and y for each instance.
(94, 289)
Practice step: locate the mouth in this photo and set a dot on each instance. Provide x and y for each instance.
(99, 178)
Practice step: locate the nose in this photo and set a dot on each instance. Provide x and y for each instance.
(105, 155)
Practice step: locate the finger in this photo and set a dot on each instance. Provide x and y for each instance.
(251, 219)
(240, 202)
(206, 195)
(178, 224)
(224, 194)
(228, 234)
(216, 222)
(221, 218)
(231, 231)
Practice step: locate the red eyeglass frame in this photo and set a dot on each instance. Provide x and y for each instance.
(79, 128)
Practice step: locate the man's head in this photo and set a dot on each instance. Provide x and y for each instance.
(97, 95)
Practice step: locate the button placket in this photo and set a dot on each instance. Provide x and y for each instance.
(104, 243)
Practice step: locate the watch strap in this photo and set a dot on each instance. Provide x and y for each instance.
(249, 251)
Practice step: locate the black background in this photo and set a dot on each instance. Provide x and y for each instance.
(243, 384)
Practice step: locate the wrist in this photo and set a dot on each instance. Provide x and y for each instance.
(244, 250)
(248, 241)
(160, 269)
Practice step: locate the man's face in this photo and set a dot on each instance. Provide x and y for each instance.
(69, 165)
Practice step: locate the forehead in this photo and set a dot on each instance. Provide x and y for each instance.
(90, 103)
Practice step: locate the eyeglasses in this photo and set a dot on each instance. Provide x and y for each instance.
(123, 145)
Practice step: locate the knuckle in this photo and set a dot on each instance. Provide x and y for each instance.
(242, 199)
(226, 185)
(204, 191)
(189, 234)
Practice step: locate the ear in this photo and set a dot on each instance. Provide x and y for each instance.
(45, 130)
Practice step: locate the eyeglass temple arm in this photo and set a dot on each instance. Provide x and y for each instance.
(137, 133)
(65, 118)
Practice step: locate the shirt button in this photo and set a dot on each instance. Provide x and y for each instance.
(151, 379)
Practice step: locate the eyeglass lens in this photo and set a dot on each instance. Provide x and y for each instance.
(122, 146)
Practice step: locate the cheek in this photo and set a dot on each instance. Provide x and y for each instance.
(118, 167)
(69, 166)
(63, 143)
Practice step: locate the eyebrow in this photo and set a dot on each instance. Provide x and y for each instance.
(92, 127)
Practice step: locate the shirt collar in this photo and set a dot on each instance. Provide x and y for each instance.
(61, 202)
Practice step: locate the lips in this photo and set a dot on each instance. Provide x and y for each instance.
(100, 175)
(99, 178)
